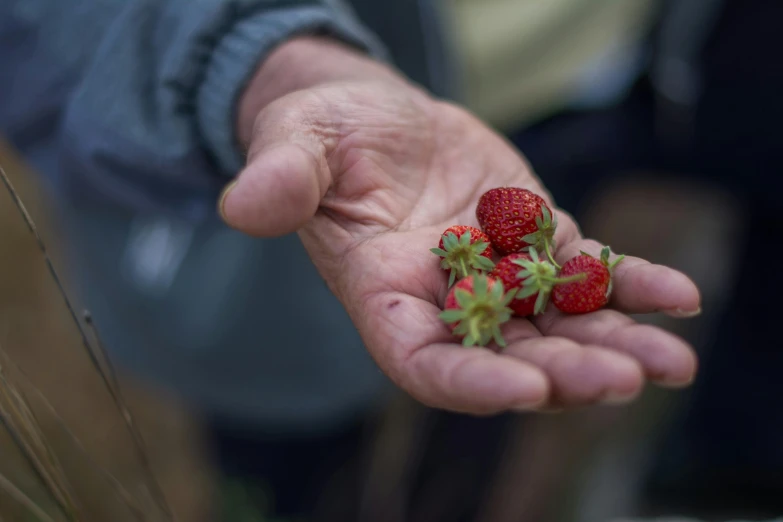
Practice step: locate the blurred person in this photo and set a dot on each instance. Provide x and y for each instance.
(728, 112)
(250, 189)
(707, 107)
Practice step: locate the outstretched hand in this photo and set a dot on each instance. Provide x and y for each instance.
(370, 173)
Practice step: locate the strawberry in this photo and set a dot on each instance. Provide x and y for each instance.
(516, 219)
(464, 250)
(475, 308)
(532, 278)
(591, 293)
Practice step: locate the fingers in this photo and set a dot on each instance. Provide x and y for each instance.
(602, 357)
(567, 230)
(579, 374)
(473, 380)
(663, 357)
(422, 357)
(416, 350)
(287, 173)
(532, 372)
(276, 194)
(642, 287)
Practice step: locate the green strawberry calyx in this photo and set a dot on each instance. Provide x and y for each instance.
(606, 252)
(461, 257)
(480, 312)
(540, 277)
(543, 239)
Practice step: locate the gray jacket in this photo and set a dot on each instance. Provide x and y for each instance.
(125, 107)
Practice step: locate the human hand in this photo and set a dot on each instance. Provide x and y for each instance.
(369, 171)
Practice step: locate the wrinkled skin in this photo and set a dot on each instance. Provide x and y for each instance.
(370, 174)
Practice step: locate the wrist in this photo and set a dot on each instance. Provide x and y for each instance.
(301, 63)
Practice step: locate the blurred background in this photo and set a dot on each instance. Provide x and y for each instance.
(657, 124)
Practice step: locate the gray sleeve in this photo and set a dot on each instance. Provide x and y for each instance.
(152, 121)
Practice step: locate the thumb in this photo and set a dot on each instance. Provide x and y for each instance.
(286, 174)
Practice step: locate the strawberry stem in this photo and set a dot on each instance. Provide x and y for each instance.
(464, 268)
(572, 279)
(616, 262)
(549, 255)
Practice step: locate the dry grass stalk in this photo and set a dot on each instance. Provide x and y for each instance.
(22, 425)
(107, 373)
(129, 500)
(138, 440)
(18, 495)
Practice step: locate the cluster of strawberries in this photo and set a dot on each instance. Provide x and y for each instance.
(520, 227)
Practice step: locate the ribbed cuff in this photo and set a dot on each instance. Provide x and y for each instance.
(238, 55)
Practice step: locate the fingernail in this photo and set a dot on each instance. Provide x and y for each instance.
(223, 196)
(676, 385)
(616, 398)
(679, 313)
(531, 406)
(535, 408)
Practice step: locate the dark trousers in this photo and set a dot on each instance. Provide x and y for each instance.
(286, 475)
(321, 477)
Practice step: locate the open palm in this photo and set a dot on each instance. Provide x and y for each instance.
(370, 174)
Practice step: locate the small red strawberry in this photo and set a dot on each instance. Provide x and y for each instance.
(515, 219)
(464, 250)
(475, 308)
(532, 278)
(591, 293)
